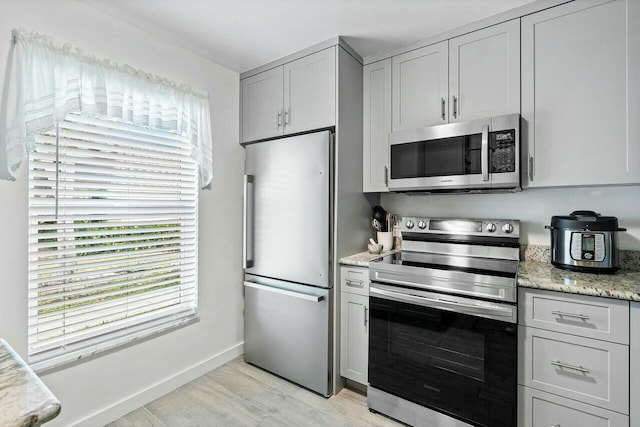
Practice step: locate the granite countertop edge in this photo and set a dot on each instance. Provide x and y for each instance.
(537, 274)
(25, 399)
(362, 259)
(624, 284)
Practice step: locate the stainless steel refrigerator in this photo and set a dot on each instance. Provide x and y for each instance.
(287, 256)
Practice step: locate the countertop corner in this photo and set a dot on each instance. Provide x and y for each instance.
(362, 259)
(25, 400)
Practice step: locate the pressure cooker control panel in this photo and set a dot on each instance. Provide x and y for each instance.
(587, 246)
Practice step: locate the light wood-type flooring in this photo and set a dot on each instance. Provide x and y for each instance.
(238, 394)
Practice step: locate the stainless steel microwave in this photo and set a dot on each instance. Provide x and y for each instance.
(474, 156)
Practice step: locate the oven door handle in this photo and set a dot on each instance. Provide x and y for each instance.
(499, 313)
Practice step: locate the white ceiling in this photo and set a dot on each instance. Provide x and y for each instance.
(243, 34)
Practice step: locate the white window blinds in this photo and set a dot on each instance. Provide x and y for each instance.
(112, 237)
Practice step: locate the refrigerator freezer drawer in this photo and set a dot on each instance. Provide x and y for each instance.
(286, 332)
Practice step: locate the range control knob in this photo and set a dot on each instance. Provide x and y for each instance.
(507, 228)
(409, 224)
(490, 227)
(422, 225)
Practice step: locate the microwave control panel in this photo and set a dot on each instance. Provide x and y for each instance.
(587, 246)
(503, 151)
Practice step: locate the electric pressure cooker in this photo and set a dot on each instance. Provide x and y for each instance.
(585, 241)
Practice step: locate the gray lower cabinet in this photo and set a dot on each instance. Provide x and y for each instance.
(592, 371)
(573, 360)
(635, 364)
(354, 337)
(540, 409)
(354, 323)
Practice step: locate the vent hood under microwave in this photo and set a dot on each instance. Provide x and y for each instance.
(475, 156)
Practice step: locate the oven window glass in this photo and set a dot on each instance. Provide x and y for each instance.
(457, 364)
(437, 157)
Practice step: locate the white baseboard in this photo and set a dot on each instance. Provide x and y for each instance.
(123, 407)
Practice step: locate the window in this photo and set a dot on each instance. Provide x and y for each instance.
(112, 237)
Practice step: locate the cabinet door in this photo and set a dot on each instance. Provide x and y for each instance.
(539, 409)
(635, 364)
(591, 371)
(262, 105)
(484, 72)
(354, 337)
(420, 87)
(377, 125)
(575, 91)
(310, 92)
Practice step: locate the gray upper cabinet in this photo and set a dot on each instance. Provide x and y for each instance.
(420, 87)
(472, 76)
(262, 105)
(580, 63)
(484, 72)
(310, 92)
(468, 77)
(295, 97)
(377, 125)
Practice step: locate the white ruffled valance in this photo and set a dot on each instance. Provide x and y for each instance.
(48, 81)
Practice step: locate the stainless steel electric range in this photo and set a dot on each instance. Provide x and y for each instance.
(442, 337)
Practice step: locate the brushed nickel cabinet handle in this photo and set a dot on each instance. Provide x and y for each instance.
(442, 111)
(567, 366)
(286, 116)
(356, 283)
(530, 168)
(386, 176)
(279, 118)
(455, 106)
(365, 317)
(565, 314)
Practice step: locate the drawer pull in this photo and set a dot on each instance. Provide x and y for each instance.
(554, 425)
(564, 314)
(575, 368)
(356, 283)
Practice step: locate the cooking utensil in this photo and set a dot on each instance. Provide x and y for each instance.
(380, 215)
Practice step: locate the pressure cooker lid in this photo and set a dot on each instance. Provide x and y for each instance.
(585, 220)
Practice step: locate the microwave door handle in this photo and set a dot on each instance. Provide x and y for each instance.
(484, 153)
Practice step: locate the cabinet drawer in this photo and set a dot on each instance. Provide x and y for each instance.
(540, 409)
(354, 280)
(591, 317)
(591, 371)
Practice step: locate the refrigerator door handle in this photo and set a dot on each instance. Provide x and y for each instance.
(247, 224)
(299, 295)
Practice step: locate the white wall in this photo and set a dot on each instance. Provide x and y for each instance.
(95, 385)
(534, 208)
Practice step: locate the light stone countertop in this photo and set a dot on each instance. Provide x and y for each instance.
(24, 399)
(362, 259)
(535, 271)
(624, 284)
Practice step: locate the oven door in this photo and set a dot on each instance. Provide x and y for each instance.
(455, 355)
